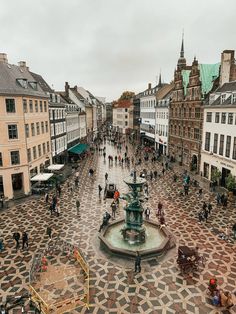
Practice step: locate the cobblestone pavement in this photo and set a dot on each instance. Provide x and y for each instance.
(160, 287)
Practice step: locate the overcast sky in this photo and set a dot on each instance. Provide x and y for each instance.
(108, 46)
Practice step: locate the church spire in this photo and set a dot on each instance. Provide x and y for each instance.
(182, 47)
(159, 82)
(182, 61)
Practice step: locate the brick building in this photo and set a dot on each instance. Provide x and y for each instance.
(191, 85)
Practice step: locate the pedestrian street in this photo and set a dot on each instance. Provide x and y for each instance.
(114, 287)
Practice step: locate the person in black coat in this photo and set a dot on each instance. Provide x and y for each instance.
(16, 237)
(25, 240)
(137, 265)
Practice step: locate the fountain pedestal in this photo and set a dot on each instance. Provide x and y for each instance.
(133, 230)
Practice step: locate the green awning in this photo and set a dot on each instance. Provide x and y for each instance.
(78, 149)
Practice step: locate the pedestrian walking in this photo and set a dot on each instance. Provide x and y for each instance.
(137, 265)
(104, 156)
(209, 208)
(200, 216)
(58, 210)
(1, 245)
(113, 208)
(106, 176)
(49, 232)
(159, 209)
(59, 190)
(25, 240)
(200, 192)
(46, 197)
(204, 206)
(99, 190)
(163, 171)
(147, 213)
(77, 206)
(155, 174)
(186, 189)
(218, 199)
(76, 182)
(16, 237)
(205, 214)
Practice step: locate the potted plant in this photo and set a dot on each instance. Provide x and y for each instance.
(230, 185)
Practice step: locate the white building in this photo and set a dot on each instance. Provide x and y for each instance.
(219, 133)
(57, 115)
(123, 116)
(163, 97)
(147, 115)
(72, 120)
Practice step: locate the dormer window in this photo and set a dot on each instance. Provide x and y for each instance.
(222, 98)
(33, 85)
(233, 98)
(22, 82)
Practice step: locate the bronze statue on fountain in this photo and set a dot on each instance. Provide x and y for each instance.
(133, 230)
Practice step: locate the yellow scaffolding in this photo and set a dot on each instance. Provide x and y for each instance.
(69, 304)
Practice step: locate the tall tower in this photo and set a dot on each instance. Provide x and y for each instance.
(182, 61)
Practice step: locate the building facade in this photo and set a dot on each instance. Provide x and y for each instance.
(219, 134)
(136, 117)
(191, 85)
(123, 116)
(25, 144)
(163, 97)
(57, 118)
(57, 115)
(148, 116)
(109, 113)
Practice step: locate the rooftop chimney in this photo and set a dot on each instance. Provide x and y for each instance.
(22, 64)
(149, 85)
(67, 86)
(3, 57)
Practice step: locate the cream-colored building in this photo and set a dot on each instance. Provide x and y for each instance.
(25, 147)
(123, 116)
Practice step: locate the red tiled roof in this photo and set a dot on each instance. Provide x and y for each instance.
(122, 104)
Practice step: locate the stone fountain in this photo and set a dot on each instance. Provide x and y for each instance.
(133, 230)
(128, 235)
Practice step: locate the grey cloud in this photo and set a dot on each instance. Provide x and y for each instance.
(108, 46)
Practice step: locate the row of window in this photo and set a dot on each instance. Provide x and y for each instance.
(162, 115)
(162, 129)
(148, 115)
(59, 145)
(37, 151)
(148, 103)
(185, 113)
(185, 132)
(222, 117)
(59, 128)
(37, 106)
(219, 143)
(57, 113)
(35, 128)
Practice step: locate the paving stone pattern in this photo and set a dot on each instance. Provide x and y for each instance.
(160, 287)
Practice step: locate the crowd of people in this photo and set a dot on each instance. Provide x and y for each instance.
(124, 158)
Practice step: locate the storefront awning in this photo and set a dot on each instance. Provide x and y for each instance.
(55, 167)
(78, 149)
(42, 177)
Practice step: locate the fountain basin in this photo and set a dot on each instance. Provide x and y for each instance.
(158, 240)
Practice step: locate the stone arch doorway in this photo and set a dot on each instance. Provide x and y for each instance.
(194, 163)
